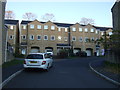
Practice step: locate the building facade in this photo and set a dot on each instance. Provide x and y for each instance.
(38, 36)
(116, 15)
(13, 35)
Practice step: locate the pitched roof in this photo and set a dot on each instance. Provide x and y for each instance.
(102, 28)
(8, 21)
(68, 25)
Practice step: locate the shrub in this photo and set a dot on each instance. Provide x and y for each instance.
(63, 53)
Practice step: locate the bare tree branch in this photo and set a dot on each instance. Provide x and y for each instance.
(48, 17)
(86, 21)
(29, 16)
(9, 14)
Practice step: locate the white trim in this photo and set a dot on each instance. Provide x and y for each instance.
(73, 37)
(52, 27)
(31, 36)
(51, 37)
(37, 37)
(45, 27)
(44, 37)
(32, 26)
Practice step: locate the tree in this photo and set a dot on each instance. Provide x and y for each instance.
(9, 14)
(48, 17)
(86, 21)
(29, 16)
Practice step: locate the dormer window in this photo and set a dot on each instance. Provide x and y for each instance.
(45, 26)
(52, 27)
(73, 29)
(32, 26)
(39, 27)
(86, 30)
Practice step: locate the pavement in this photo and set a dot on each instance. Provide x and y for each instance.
(8, 71)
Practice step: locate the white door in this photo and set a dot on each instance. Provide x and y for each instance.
(23, 51)
(88, 52)
(34, 50)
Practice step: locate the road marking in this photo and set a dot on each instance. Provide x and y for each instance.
(9, 78)
(107, 78)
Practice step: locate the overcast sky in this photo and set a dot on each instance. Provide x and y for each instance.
(66, 12)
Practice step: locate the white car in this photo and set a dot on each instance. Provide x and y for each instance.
(38, 60)
(49, 51)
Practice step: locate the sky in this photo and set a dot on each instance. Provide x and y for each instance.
(65, 12)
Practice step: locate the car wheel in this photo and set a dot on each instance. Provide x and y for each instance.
(47, 68)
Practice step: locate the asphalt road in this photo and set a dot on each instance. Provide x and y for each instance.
(74, 73)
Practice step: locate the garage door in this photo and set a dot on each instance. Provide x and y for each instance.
(88, 52)
(34, 50)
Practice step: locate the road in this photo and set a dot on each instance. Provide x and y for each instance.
(74, 73)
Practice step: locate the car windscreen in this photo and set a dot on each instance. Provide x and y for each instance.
(34, 56)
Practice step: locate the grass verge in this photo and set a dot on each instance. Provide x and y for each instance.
(12, 62)
(112, 67)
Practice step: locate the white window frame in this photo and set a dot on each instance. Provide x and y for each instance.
(92, 39)
(96, 31)
(110, 33)
(52, 36)
(80, 29)
(73, 37)
(39, 27)
(31, 37)
(85, 39)
(52, 27)
(45, 27)
(11, 37)
(73, 29)
(92, 30)
(11, 27)
(86, 29)
(45, 36)
(80, 39)
(66, 30)
(24, 27)
(31, 26)
(59, 38)
(23, 36)
(59, 29)
(37, 37)
(66, 39)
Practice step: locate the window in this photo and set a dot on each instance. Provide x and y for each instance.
(73, 38)
(52, 37)
(39, 27)
(86, 30)
(59, 29)
(65, 29)
(45, 26)
(66, 38)
(92, 30)
(52, 27)
(80, 39)
(38, 37)
(92, 39)
(24, 26)
(23, 37)
(32, 26)
(110, 33)
(31, 37)
(73, 29)
(96, 31)
(59, 38)
(11, 37)
(11, 27)
(80, 29)
(86, 39)
(34, 56)
(45, 37)
(102, 33)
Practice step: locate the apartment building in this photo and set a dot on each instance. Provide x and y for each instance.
(13, 34)
(38, 36)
